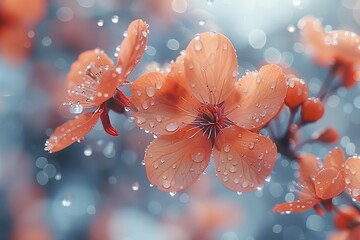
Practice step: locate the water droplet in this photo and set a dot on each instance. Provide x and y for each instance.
(202, 22)
(198, 155)
(233, 169)
(166, 184)
(198, 45)
(88, 151)
(135, 186)
(171, 127)
(235, 73)
(76, 108)
(268, 179)
(100, 23)
(125, 34)
(251, 145)
(291, 28)
(158, 84)
(226, 148)
(239, 193)
(115, 19)
(210, 2)
(150, 91)
(67, 201)
(172, 194)
(356, 192)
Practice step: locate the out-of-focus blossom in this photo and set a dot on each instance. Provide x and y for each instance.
(352, 169)
(347, 220)
(199, 108)
(206, 216)
(318, 184)
(93, 83)
(338, 48)
(17, 19)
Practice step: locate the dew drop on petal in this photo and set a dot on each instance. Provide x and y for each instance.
(227, 148)
(76, 108)
(172, 194)
(171, 127)
(125, 34)
(150, 91)
(166, 184)
(198, 46)
(198, 155)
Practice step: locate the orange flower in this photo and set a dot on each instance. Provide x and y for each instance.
(17, 18)
(93, 83)
(338, 48)
(199, 108)
(352, 180)
(347, 220)
(317, 184)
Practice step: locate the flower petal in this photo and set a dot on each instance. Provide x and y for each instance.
(314, 37)
(329, 183)
(132, 47)
(346, 45)
(258, 97)
(335, 159)
(109, 82)
(296, 206)
(173, 162)
(163, 104)
(354, 234)
(71, 131)
(308, 168)
(211, 67)
(352, 170)
(243, 159)
(84, 77)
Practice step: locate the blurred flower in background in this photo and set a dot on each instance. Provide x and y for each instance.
(98, 189)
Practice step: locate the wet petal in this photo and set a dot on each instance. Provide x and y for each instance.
(329, 183)
(211, 67)
(335, 159)
(71, 131)
(163, 104)
(132, 47)
(84, 77)
(258, 97)
(297, 206)
(173, 162)
(314, 38)
(346, 45)
(352, 179)
(309, 167)
(243, 159)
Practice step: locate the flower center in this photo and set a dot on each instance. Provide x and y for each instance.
(211, 120)
(91, 78)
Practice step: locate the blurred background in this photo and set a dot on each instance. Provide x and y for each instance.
(98, 189)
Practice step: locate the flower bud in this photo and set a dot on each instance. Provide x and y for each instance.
(312, 110)
(328, 135)
(296, 93)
